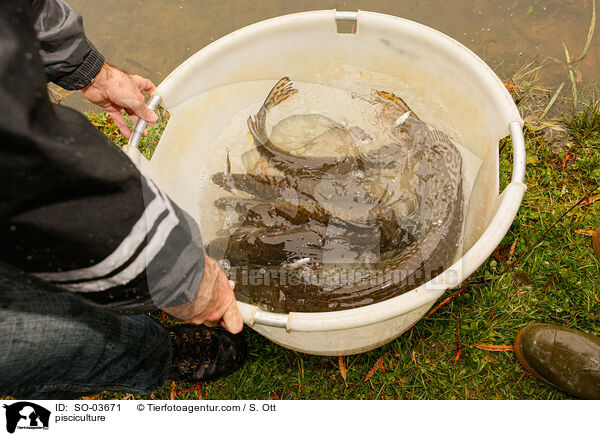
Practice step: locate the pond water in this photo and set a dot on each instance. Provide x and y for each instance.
(151, 38)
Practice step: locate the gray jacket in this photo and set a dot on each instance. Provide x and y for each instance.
(69, 58)
(74, 210)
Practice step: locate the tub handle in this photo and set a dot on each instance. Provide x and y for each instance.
(346, 21)
(140, 126)
(519, 152)
(345, 15)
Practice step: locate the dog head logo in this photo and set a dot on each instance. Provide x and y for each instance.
(26, 415)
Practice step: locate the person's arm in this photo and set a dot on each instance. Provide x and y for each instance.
(76, 212)
(70, 60)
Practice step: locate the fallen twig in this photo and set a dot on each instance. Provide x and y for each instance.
(459, 346)
(446, 301)
(343, 370)
(549, 281)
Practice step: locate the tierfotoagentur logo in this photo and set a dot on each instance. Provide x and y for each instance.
(26, 415)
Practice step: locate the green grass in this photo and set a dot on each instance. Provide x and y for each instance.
(556, 282)
(147, 145)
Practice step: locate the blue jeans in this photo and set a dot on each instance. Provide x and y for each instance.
(55, 345)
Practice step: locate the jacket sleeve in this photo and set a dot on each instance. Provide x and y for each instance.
(70, 60)
(74, 210)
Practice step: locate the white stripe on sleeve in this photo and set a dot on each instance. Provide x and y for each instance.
(125, 251)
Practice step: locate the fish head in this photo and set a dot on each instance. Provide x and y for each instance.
(358, 136)
(219, 179)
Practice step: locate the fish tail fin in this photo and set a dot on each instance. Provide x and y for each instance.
(280, 92)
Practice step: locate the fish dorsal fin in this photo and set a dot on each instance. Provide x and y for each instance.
(435, 137)
(280, 92)
(388, 97)
(443, 145)
(393, 100)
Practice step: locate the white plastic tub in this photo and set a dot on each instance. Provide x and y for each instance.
(470, 104)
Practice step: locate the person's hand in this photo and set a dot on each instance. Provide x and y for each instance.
(214, 302)
(114, 90)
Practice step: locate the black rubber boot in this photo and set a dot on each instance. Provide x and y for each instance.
(202, 353)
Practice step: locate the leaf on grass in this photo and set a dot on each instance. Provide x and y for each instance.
(573, 86)
(512, 249)
(585, 232)
(566, 159)
(101, 125)
(198, 391)
(378, 365)
(492, 347)
(532, 121)
(173, 390)
(184, 391)
(553, 125)
(590, 200)
(552, 100)
(571, 74)
(588, 42)
(521, 279)
(343, 371)
(532, 157)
